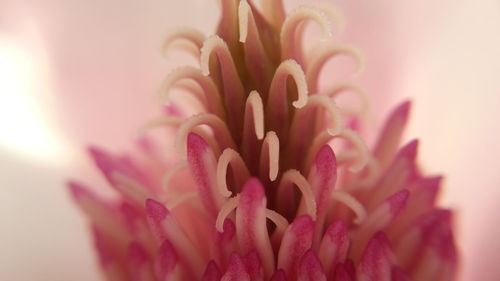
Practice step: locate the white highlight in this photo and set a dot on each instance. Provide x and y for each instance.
(25, 124)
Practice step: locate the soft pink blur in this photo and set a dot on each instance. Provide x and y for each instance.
(98, 67)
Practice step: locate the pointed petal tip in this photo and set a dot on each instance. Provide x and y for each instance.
(326, 158)
(166, 260)
(156, 210)
(397, 201)
(212, 272)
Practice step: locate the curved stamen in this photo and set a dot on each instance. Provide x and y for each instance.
(234, 93)
(230, 156)
(278, 220)
(225, 210)
(221, 132)
(167, 177)
(362, 154)
(271, 152)
(317, 102)
(351, 202)
(321, 57)
(178, 199)
(354, 88)
(294, 177)
(130, 188)
(212, 98)
(192, 39)
(256, 108)
(288, 38)
(277, 91)
(368, 178)
(160, 122)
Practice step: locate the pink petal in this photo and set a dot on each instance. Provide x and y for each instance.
(401, 172)
(212, 272)
(251, 224)
(391, 134)
(375, 265)
(334, 246)
(310, 268)
(164, 226)
(139, 264)
(399, 275)
(322, 177)
(236, 270)
(343, 272)
(254, 266)
(296, 241)
(203, 166)
(225, 243)
(166, 261)
(279, 275)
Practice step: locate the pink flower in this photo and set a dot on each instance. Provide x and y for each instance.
(274, 180)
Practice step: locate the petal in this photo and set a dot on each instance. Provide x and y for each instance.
(203, 165)
(375, 265)
(334, 246)
(139, 263)
(251, 222)
(166, 262)
(388, 141)
(296, 241)
(310, 268)
(236, 270)
(212, 273)
(322, 177)
(164, 226)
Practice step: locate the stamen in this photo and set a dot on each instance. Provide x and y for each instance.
(212, 98)
(215, 44)
(318, 101)
(369, 176)
(224, 212)
(170, 174)
(192, 38)
(221, 132)
(320, 57)
(362, 154)
(130, 188)
(295, 18)
(351, 202)
(243, 11)
(354, 88)
(178, 199)
(278, 85)
(280, 221)
(333, 15)
(296, 178)
(254, 104)
(160, 122)
(271, 146)
(257, 61)
(230, 156)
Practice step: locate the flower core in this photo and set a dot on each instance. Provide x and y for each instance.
(273, 181)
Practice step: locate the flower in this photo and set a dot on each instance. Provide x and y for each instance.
(259, 193)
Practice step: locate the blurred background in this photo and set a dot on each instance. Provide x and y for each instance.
(76, 72)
